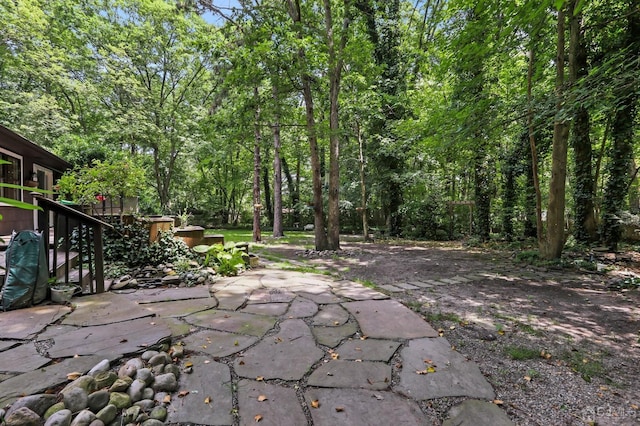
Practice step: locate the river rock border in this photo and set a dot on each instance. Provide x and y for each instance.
(138, 393)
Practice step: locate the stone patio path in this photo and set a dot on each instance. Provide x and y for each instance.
(277, 347)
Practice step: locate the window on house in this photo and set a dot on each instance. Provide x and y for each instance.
(10, 173)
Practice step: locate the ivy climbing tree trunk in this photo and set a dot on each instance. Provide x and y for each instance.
(622, 134)
(554, 242)
(584, 228)
(277, 170)
(257, 236)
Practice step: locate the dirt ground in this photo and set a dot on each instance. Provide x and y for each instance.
(559, 345)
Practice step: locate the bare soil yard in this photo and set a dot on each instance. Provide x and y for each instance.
(560, 345)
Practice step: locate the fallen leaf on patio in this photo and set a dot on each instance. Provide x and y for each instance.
(634, 406)
(428, 361)
(364, 337)
(440, 332)
(236, 343)
(152, 323)
(431, 369)
(336, 323)
(183, 393)
(422, 372)
(204, 346)
(453, 327)
(378, 396)
(259, 378)
(358, 360)
(358, 349)
(315, 403)
(188, 364)
(339, 409)
(207, 400)
(166, 399)
(501, 332)
(278, 340)
(498, 401)
(241, 363)
(123, 341)
(74, 375)
(262, 398)
(206, 361)
(257, 418)
(335, 356)
(369, 381)
(527, 378)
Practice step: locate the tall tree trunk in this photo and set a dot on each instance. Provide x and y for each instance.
(622, 132)
(363, 185)
(257, 236)
(532, 176)
(277, 172)
(292, 189)
(335, 72)
(552, 247)
(584, 222)
(267, 189)
(321, 241)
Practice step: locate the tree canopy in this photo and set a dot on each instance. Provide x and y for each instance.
(428, 119)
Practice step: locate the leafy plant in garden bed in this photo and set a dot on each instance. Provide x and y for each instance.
(226, 259)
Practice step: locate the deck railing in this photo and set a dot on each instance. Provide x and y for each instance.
(77, 230)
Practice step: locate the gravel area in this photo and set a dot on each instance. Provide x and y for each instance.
(561, 346)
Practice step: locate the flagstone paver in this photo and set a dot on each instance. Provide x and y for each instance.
(275, 405)
(302, 308)
(119, 338)
(6, 344)
(22, 359)
(368, 349)
(26, 323)
(233, 322)
(287, 355)
(231, 298)
(105, 308)
(352, 374)
(389, 319)
(270, 295)
(331, 315)
(332, 336)
(391, 288)
(210, 380)
(218, 343)
(362, 407)
(358, 292)
(477, 413)
(180, 308)
(272, 309)
(165, 294)
(454, 375)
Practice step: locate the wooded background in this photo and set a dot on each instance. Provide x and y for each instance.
(344, 113)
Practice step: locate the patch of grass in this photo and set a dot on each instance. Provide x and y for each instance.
(529, 329)
(584, 364)
(521, 353)
(367, 283)
(442, 316)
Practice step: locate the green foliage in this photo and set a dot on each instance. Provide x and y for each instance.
(118, 178)
(130, 245)
(226, 259)
(584, 364)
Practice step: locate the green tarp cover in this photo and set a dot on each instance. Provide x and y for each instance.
(27, 275)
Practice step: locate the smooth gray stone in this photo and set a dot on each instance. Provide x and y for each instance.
(102, 309)
(152, 422)
(219, 343)
(233, 322)
(454, 375)
(25, 324)
(39, 404)
(161, 358)
(147, 355)
(58, 406)
(98, 400)
(332, 336)
(23, 417)
(172, 368)
(389, 319)
(127, 370)
(146, 404)
(135, 390)
(83, 418)
(22, 358)
(351, 374)
(76, 399)
(362, 407)
(281, 406)
(287, 355)
(273, 309)
(100, 367)
(368, 349)
(477, 413)
(331, 315)
(302, 308)
(212, 379)
(60, 418)
(98, 422)
(148, 393)
(165, 383)
(130, 414)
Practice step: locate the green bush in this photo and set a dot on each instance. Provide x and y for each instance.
(226, 259)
